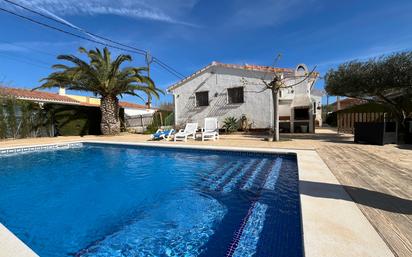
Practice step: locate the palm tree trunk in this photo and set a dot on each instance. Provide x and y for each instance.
(110, 123)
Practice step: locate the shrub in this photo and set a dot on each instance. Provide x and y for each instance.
(11, 106)
(3, 123)
(160, 118)
(170, 119)
(230, 124)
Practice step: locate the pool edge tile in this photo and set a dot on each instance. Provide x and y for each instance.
(332, 223)
(11, 245)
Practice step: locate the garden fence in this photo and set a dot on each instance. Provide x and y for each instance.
(346, 121)
(136, 121)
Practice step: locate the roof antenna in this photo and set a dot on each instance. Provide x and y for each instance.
(278, 57)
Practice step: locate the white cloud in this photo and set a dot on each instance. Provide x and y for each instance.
(165, 11)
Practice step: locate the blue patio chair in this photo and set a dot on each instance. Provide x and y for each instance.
(162, 134)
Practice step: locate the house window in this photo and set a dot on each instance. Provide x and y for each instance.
(202, 98)
(314, 107)
(235, 95)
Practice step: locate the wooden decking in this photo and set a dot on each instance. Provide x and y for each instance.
(381, 187)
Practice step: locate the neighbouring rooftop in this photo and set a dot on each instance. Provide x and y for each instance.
(347, 103)
(25, 94)
(47, 97)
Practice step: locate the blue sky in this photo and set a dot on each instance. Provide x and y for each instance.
(189, 34)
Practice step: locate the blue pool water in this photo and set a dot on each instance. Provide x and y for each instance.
(112, 200)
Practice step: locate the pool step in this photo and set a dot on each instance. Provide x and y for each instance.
(251, 180)
(226, 175)
(235, 180)
(214, 175)
(247, 173)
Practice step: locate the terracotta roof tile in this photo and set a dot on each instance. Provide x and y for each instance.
(252, 67)
(36, 95)
(234, 66)
(347, 103)
(132, 105)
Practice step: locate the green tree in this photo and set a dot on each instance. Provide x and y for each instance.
(11, 116)
(3, 123)
(386, 80)
(105, 78)
(25, 127)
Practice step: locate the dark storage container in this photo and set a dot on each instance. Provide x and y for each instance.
(376, 133)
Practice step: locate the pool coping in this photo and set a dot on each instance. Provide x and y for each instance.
(11, 245)
(332, 223)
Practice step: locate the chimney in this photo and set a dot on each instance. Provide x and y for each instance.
(62, 91)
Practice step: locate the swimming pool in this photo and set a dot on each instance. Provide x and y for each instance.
(122, 200)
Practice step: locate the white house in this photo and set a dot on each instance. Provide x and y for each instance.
(227, 90)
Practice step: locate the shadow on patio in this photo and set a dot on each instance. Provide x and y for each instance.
(361, 196)
(321, 135)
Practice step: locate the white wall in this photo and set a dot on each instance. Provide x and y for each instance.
(257, 104)
(133, 112)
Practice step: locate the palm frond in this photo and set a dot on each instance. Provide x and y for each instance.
(101, 76)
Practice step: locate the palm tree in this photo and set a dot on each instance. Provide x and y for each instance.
(105, 78)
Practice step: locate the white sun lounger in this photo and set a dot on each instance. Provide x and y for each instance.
(211, 129)
(183, 134)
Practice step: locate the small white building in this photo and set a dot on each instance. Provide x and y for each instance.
(227, 90)
(130, 109)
